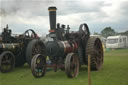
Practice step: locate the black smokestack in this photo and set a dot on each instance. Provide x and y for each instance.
(52, 18)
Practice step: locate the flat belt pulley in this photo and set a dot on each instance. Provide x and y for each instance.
(84, 31)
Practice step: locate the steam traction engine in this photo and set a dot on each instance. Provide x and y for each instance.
(14, 49)
(66, 50)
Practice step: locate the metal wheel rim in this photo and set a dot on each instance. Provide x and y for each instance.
(38, 66)
(72, 65)
(98, 53)
(7, 62)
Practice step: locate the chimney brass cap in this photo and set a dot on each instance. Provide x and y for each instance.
(52, 8)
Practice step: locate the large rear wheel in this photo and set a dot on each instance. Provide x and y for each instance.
(36, 46)
(95, 50)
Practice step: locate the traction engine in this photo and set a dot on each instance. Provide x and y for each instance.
(66, 50)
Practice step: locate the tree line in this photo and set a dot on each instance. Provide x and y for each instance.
(108, 31)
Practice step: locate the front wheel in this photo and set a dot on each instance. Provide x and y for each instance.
(72, 65)
(38, 66)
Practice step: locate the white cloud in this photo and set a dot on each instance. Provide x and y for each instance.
(112, 11)
(96, 13)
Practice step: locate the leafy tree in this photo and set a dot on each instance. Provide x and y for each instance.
(108, 31)
(123, 33)
(95, 33)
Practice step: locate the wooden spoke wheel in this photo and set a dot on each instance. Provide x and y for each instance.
(72, 65)
(7, 61)
(38, 66)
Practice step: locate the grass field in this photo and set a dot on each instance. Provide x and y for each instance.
(114, 72)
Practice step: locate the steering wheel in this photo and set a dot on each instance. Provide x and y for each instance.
(30, 34)
(84, 31)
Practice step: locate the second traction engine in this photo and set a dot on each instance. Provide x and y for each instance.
(66, 50)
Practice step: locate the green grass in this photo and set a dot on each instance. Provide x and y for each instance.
(114, 72)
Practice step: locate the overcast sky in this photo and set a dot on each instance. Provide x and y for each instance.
(98, 14)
